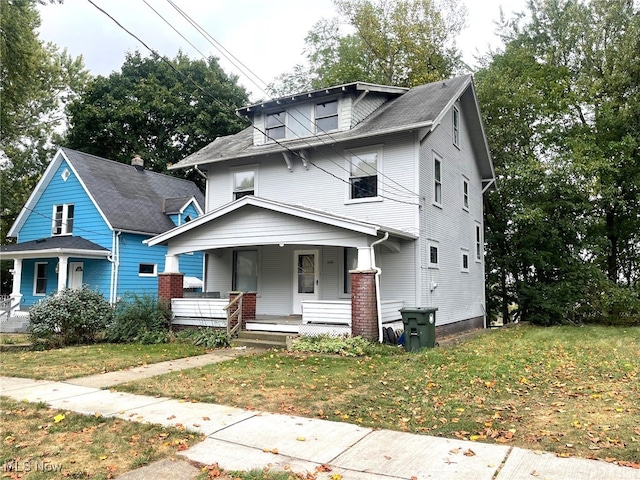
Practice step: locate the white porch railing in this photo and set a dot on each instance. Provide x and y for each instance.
(338, 312)
(205, 312)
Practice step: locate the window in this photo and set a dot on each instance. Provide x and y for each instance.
(62, 219)
(326, 116)
(456, 126)
(40, 279)
(349, 262)
(245, 271)
(464, 267)
(433, 256)
(478, 242)
(465, 194)
(437, 181)
(243, 183)
(275, 126)
(147, 270)
(363, 179)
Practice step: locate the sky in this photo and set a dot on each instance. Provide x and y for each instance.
(266, 36)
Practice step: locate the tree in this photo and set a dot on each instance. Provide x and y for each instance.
(36, 80)
(161, 110)
(561, 106)
(395, 42)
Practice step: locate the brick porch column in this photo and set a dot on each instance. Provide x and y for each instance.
(364, 310)
(248, 307)
(170, 286)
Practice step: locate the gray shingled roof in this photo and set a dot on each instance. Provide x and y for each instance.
(54, 243)
(131, 199)
(418, 106)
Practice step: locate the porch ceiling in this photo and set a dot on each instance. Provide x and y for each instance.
(256, 221)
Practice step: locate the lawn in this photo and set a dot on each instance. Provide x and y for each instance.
(42, 443)
(570, 390)
(70, 362)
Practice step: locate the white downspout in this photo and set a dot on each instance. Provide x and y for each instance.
(114, 258)
(377, 280)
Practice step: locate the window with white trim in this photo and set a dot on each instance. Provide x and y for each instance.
(437, 181)
(244, 183)
(62, 219)
(434, 254)
(465, 193)
(364, 166)
(147, 270)
(275, 126)
(464, 259)
(40, 278)
(478, 242)
(456, 126)
(326, 114)
(245, 271)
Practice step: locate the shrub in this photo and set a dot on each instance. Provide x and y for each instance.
(204, 337)
(611, 304)
(70, 317)
(140, 319)
(344, 345)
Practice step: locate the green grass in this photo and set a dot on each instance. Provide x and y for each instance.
(70, 362)
(14, 338)
(54, 444)
(570, 390)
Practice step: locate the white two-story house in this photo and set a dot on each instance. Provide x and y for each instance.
(356, 178)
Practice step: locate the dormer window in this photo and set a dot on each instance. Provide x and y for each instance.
(275, 126)
(62, 220)
(326, 116)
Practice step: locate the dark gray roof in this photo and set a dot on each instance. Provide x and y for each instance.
(417, 107)
(131, 199)
(54, 243)
(174, 205)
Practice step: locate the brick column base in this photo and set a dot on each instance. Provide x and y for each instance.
(170, 286)
(364, 309)
(248, 308)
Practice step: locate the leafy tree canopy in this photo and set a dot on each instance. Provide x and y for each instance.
(161, 110)
(391, 42)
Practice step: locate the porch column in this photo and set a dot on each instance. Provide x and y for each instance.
(16, 296)
(364, 310)
(170, 285)
(63, 267)
(171, 264)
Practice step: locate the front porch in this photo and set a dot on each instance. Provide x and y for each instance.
(324, 317)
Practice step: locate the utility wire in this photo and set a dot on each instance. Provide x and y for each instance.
(215, 99)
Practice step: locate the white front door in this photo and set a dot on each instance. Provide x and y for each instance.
(75, 274)
(306, 277)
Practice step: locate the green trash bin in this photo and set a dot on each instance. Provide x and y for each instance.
(419, 328)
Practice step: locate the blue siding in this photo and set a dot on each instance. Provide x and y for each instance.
(28, 278)
(88, 223)
(133, 252)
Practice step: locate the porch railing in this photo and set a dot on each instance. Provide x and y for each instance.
(6, 307)
(237, 314)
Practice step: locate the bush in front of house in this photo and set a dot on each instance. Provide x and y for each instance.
(140, 319)
(343, 345)
(204, 337)
(69, 317)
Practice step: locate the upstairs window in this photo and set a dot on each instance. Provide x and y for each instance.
(465, 194)
(456, 127)
(437, 181)
(275, 126)
(478, 242)
(243, 183)
(62, 219)
(363, 178)
(326, 116)
(434, 261)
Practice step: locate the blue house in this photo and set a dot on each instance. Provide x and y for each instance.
(85, 224)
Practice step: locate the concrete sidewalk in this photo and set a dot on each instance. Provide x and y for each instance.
(239, 439)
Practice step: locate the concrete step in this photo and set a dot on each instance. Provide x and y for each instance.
(256, 339)
(14, 326)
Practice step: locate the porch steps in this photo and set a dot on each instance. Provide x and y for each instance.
(257, 339)
(14, 325)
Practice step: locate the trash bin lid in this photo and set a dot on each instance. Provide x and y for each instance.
(418, 309)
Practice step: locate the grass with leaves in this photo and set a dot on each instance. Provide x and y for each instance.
(569, 390)
(71, 362)
(43, 443)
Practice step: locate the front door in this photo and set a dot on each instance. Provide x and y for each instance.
(75, 274)
(306, 277)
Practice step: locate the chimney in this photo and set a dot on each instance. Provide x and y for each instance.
(138, 162)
